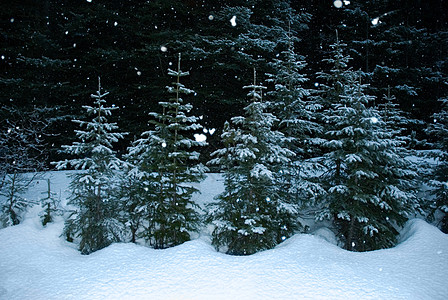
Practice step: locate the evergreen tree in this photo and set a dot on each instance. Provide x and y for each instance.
(397, 45)
(21, 159)
(398, 121)
(332, 83)
(94, 219)
(162, 168)
(439, 176)
(289, 97)
(295, 110)
(13, 204)
(369, 181)
(252, 214)
(50, 205)
(227, 39)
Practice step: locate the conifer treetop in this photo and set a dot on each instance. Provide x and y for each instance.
(97, 139)
(256, 92)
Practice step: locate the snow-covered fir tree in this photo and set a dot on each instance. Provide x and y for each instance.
(163, 167)
(439, 176)
(370, 182)
(12, 201)
(50, 204)
(21, 159)
(399, 122)
(295, 110)
(252, 214)
(94, 219)
(331, 84)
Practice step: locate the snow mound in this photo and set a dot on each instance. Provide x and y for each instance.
(36, 263)
(326, 234)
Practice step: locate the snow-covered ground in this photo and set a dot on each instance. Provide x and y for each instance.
(36, 263)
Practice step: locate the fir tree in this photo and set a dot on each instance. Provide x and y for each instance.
(13, 203)
(295, 109)
(369, 181)
(288, 97)
(50, 205)
(398, 122)
(251, 214)
(332, 83)
(21, 159)
(94, 219)
(164, 166)
(439, 176)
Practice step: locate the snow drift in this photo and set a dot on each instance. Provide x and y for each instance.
(36, 263)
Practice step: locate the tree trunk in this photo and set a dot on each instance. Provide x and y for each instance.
(351, 228)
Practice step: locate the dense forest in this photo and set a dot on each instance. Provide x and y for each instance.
(315, 103)
(53, 51)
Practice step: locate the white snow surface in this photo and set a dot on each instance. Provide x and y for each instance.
(36, 263)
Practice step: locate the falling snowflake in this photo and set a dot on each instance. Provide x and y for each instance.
(233, 21)
(163, 49)
(337, 3)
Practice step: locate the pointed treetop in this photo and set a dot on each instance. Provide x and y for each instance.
(98, 94)
(257, 90)
(179, 72)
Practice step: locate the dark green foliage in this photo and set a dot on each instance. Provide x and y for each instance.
(51, 52)
(370, 183)
(21, 158)
(94, 219)
(163, 166)
(253, 213)
(438, 177)
(296, 110)
(50, 205)
(13, 204)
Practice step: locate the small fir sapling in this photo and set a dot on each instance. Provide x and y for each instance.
(50, 204)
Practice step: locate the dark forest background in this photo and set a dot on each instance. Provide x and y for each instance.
(52, 52)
